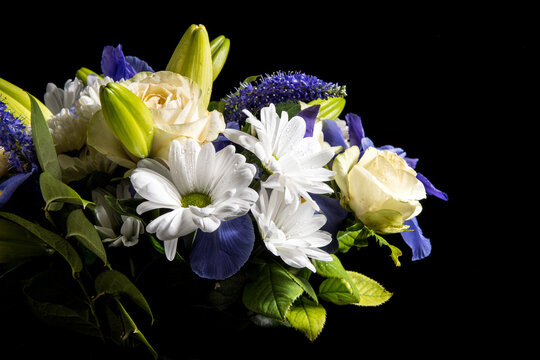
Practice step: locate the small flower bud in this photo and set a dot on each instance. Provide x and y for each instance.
(193, 58)
(220, 50)
(128, 117)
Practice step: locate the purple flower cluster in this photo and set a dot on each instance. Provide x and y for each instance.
(278, 88)
(16, 141)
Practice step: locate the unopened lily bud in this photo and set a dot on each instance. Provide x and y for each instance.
(330, 108)
(18, 101)
(128, 117)
(193, 58)
(220, 50)
(82, 74)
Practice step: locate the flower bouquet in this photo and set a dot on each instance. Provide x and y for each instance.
(249, 199)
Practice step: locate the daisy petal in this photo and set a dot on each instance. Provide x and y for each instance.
(155, 187)
(170, 248)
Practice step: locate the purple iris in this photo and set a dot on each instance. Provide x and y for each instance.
(220, 254)
(117, 66)
(419, 244)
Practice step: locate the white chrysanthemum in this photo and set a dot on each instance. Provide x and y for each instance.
(110, 223)
(296, 162)
(88, 103)
(57, 99)
(202, 188)
(67, 129)
(292, 234)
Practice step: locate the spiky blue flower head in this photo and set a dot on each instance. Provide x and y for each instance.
(277, 88)
(16, 141)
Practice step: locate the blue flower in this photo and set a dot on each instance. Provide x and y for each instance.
(117, 66)
(220, 254)
(16, 141)
(278, 88)
(9, 186)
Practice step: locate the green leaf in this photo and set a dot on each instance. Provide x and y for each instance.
(58, 243)
(81, 228)
(290, 107)
(395, 253)
(330, 108)
(16, 243)
(117, 284)
(338, 291)
(272, 292)
(308, 317)
(56, 299)
(54, 190)
(351, 236)
(43, 142)
(371, 292)
(131, 329)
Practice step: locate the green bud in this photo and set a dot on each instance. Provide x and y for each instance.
(330, 108)
(220, 50)
(129, 119)
(193, 58)
(18, 101)
(82, 74)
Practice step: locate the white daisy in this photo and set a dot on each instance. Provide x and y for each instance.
(202, 188)
(296, 163)
(292, 234)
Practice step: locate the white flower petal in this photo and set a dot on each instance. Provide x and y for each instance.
(155, 188)
(170, 248)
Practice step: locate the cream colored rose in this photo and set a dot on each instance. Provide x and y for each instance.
(174, 101)
(380, 188)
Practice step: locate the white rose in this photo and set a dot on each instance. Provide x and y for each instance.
(174, 101)
(380, 188)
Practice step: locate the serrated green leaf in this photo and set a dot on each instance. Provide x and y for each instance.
(395, 252)
(272, 292)
(338, 291)
(117, 284)
(43, 142)
(304, 283)
(371, 292)
(308, 317)
(54, 190)
(55, 241)
(80, 227)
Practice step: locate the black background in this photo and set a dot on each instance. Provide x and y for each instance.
(447, 84)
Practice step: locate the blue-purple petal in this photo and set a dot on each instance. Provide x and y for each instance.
(335, 217)
(138, 64)
(8, 187)
(430, 189)
(333, 134)
(310, 117)
(115, 65)
(356, 130)
(419, 244)
(222, 140)
(220, 254)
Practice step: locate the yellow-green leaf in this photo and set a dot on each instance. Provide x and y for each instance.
(308, 317)
(371, 292)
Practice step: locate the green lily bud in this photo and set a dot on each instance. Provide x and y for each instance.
(129, 119)
(193, 58)
(330, 108)
(18, 101)
(82, 74)
(220, 50)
